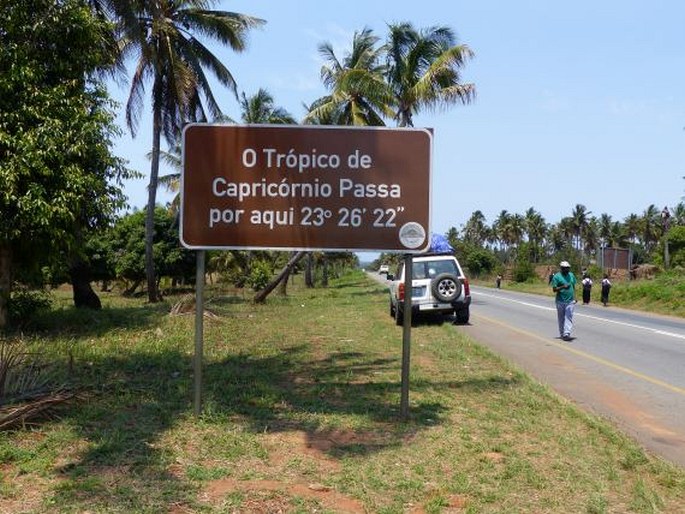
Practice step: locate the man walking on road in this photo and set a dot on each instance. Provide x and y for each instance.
(564, 285)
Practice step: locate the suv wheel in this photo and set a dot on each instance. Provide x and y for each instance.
(462, 315)
(446, 287)
(399, 316)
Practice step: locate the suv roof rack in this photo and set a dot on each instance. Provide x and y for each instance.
(432, 254)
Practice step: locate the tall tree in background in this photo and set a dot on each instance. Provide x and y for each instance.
(632, 227)
(260, 108)
(476, 230)
(56, 127)
(424, 70)
(651, 227)
(358, 94)
(536, 230)
(160, 34)
(500, 229)
(605, 229)
(579, 221)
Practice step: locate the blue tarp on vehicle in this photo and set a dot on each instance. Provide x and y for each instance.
(440, 244)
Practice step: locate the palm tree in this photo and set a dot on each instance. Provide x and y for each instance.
(476, 230)
(632, 226)
(605, 226)
(516, 229)
(500, 228)
(159, 33)
(423, 70)
(358, 93)
(557, 238)
(536, 229)
(591, 237)
(566, 227)
(678, 214)
(452, 236)
(652, 227)
(260, 108)
(580, 220)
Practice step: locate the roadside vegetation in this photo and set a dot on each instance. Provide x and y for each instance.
(662, 294)
(301, 414)
(643, 255)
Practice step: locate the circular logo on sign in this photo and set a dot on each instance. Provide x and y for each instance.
(412, 235)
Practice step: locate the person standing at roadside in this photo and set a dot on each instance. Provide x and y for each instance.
(587, 288)
(606, 287)
(564, 285)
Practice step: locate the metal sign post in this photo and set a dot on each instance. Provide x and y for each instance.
(199, 330)
(406, 337)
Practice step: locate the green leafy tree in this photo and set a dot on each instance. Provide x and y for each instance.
(676, 243)
(480, 261)
(56, 128)
(162, 36)
(127, 245)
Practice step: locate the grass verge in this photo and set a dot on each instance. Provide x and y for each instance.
(663, 294)
(301, 406)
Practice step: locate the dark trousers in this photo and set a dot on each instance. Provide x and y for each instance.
(605, 294)
(586, 295)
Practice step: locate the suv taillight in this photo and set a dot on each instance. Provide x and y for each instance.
(400, 292)
(467, 288)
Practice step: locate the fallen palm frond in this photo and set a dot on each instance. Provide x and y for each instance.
(14, 415)
(186, 306)
(25, 386)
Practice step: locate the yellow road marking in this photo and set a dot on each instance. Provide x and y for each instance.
(599, 360)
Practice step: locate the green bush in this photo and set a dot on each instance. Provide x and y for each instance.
(523, 270)
(24, 303)
(523, 267)
(260, 275)
(480, 262)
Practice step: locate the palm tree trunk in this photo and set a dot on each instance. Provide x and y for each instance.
(308, 272)
(283, 287)
(5, 283)
(152, 292)
(324, 279)
(260, 297)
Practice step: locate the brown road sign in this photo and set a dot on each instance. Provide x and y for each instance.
(304, 187)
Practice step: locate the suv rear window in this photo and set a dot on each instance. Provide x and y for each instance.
(430, 269)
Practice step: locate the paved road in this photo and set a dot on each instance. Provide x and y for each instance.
(624, 365)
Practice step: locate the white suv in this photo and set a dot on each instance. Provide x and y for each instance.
(438, 286)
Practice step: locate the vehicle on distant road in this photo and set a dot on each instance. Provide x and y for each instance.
(384, 269)
(438, 286)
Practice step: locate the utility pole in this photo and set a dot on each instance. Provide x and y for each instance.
(666, 222)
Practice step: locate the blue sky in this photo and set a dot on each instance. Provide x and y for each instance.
(577, 102)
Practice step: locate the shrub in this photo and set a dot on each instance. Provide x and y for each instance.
(480, 262)
(26, 302)
(260, 275)
(523, 270)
